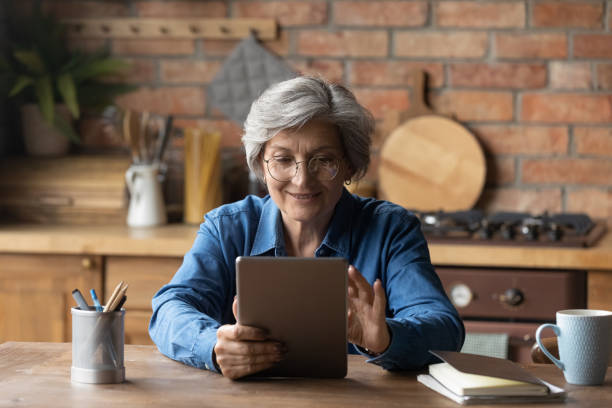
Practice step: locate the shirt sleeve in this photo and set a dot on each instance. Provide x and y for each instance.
(420, 317)
(188, 311)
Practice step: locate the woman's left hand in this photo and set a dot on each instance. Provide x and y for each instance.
(367, 326)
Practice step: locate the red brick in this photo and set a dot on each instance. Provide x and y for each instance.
(380, 13)
(567, 171)
(595, 202)
(378, 101)
(594, 141)
(153, 47)
(456, 44)
(498, 75)
(480, 15)
(188, 71)
(287, 13)
(475, 105)
(332, 70)
(500, 170)
(230, 132)
(279, 46)
(517, 139)
(141, 70)
(518, 45)
(170, 9)
(593, 45)
(348, 43)
(567, 14)
(166, 100)
(394, 73)
(570, 75)
(80, 8)
(535, 201)
(604, 76)
(566, 108)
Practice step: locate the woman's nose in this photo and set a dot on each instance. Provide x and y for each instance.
(302, 175)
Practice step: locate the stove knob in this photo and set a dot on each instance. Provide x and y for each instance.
(461, 295)
(530, 232)
(512, 297)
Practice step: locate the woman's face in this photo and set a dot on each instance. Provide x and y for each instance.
(307, 196)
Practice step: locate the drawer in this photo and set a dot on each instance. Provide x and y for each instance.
(145, 275)
(137, 327)
(516, 294)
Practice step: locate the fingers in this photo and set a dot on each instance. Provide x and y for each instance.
(358, 286)
(380, 300)
(242, 350)
(235, 308)
(237, 371)
(240, 332)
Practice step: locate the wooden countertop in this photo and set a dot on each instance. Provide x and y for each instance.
(175, 239)
(38, 375)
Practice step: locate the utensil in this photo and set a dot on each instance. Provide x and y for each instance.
(430, 162)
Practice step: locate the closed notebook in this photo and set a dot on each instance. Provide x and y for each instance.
(473, 384)
(474, 379)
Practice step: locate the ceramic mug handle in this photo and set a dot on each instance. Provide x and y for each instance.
(548, 354)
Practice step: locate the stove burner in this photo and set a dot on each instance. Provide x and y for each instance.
(568, 229)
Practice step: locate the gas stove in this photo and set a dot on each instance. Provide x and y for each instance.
(511, 228)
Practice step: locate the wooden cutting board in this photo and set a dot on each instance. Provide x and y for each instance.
(430, 162)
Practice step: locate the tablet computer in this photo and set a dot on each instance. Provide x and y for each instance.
(301, 302)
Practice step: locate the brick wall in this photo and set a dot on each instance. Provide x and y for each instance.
(532, 79)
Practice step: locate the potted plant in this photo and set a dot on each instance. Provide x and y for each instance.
(53, 83)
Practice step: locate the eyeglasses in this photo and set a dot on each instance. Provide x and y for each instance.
(282, 168)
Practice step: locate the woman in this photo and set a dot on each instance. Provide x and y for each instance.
(305, 138)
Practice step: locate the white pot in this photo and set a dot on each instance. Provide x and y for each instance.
(40, 138)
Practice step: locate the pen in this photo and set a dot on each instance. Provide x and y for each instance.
(121, 302)
(76, 294)
(94, 297)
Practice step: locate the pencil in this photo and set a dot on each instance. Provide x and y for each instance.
(112, 297)
(117, 298)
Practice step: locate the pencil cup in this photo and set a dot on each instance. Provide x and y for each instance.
(97, 346)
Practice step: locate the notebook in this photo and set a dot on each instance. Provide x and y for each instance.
(301, 302)
(473, 379)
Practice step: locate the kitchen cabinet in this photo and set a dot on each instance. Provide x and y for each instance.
(145, 275)
(36, 294)
(41, 264)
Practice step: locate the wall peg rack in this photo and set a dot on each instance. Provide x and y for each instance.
(154, 28)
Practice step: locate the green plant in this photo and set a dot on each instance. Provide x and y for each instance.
(40, 67)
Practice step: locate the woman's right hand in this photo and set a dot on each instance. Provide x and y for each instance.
(243, 350)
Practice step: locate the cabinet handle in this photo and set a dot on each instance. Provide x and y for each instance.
(86, 263)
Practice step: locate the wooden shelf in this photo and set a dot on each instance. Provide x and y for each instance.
(176, 28)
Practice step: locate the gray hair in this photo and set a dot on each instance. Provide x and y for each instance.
(291, 104)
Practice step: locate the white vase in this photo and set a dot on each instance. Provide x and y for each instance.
(39, 137)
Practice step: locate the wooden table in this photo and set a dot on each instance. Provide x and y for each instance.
(38, 375)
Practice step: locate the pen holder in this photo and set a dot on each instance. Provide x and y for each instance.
(97, 346)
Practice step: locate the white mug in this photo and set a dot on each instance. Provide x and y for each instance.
(584, 338)
(146, 207)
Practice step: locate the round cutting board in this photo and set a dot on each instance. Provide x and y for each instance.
(431, 163)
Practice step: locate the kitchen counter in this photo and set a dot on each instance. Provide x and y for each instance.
(176, 239)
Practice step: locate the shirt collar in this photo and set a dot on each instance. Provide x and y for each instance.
(270, 237)
(338, 236)
(269, 234)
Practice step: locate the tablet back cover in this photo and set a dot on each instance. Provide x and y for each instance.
(301, 302)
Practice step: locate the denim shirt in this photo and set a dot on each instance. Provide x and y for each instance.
(381, 239)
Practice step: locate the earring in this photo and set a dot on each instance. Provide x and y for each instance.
(348, 182)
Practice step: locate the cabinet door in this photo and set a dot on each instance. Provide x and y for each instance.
(36, 294)
(145, 276)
